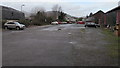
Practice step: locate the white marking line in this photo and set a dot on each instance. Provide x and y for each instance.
(16, 31)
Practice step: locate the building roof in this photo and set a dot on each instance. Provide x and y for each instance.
(117, 8)
(9, 8)
(100, 11)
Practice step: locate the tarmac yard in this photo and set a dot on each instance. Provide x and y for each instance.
(56, 45)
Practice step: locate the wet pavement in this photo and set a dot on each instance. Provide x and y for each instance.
(56, 45)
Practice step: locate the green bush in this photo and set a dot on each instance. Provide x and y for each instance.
(25, 22)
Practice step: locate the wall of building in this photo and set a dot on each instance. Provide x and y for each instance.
(99, 18)
(118, 17)
(111, 18)
(11, 14)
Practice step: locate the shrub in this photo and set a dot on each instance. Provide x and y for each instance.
(49, 20)
(25, 22)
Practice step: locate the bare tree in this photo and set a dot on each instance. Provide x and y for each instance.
(56, 9)
(37, 9)
(39, 16)
(60, 9)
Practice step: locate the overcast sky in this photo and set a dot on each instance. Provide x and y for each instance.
(76, 8)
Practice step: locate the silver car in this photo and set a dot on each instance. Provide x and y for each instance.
(14, 25)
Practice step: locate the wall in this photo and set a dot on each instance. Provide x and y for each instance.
(111, 18)
(12, 14)
(99, 18)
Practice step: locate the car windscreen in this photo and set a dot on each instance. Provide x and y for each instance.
(17, 23)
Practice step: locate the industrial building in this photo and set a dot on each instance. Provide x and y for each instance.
(9, 13)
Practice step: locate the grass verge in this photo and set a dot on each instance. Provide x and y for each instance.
(113, 46)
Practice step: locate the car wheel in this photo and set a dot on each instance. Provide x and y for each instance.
(5, 27)
(17, 28)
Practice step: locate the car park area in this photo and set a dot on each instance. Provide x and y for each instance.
(73, 45)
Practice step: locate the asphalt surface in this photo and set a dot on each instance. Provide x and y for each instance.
(56, 45)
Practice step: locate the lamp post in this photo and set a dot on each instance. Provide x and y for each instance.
(22, 6)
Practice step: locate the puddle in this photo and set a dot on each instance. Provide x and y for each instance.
(72, 42)
(63, 27)
(16, 31)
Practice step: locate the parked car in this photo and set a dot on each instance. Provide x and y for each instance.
(90, 24)
(55, 23)
(80, 22)
(14, 25)
(69, 22)
(59, 22)
(64, 22)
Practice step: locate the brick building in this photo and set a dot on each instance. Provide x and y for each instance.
(99, 17)
(112, 17)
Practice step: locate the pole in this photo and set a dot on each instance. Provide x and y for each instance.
(22, 6)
